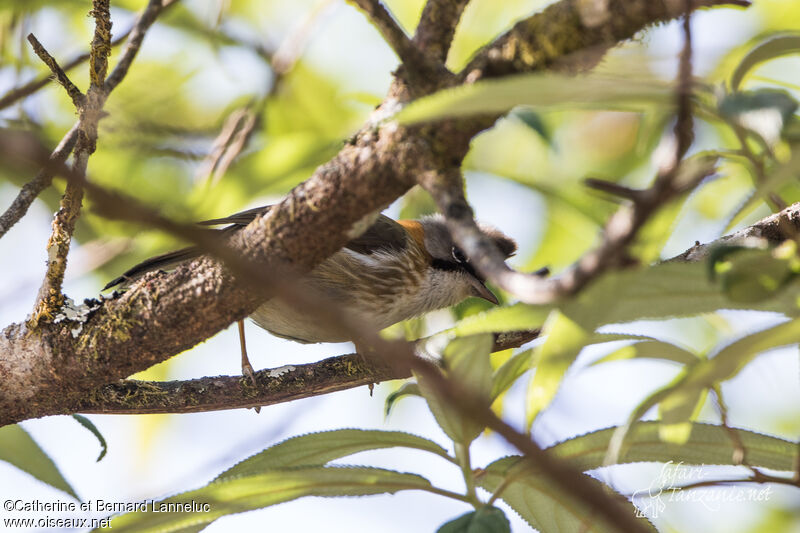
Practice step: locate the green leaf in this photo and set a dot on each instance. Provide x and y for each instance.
(764, 112)
(19, 449)
(687, 390)
(534, 121)
(537, 90)
(487, 519)
(85, 422)
(317, 449)
(776, 179)
(651, 349)
(566, 222)
(677, 414)
(564, 340)
(517, 317)
(666, 290)
(548, 509)
(542, 505)
(466, 360)
(409, 388)
(770, 49)
(707, 444)
(753, 275)
(506, 375)
(730, 360)
(240, 494)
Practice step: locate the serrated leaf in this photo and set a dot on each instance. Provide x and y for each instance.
(564, 340)
(707, 444)
(18, 448)
(466, 360)
(752, 275)
(485, 520)
(666, 290)
(517, 317)
(317, 449)
(770, 49)
(542, 505)
(85, 422)
(684, 393)
(730, 360)
(240, 494)
(537, 90)
(409, 388)
(651, 349)
(510, 371)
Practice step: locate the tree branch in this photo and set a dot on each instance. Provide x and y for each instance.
(74, 93)
(43, 179)
(447, 189)
(140, 27)
(57, 367)
(40, 182)
(571, 26)
(391, 32)
(437, 25)
(89, 109)
(273, 386)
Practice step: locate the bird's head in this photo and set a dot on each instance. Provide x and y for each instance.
(450, 268)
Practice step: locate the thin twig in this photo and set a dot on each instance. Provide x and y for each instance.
(418, 65)
(140, 27)
(392, 33)
(74, 93)
(50, 296)
(34, 85)
(40, 182)
(446, 187)
(239, 126)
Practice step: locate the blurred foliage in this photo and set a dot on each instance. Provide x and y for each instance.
(206, 61)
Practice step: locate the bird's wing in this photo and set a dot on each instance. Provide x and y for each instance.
(385, 234)
(159, 262)
(242, 218)
(172, 259)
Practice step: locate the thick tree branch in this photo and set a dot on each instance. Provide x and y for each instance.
(572, 26)
(273, 386)
(437, 26)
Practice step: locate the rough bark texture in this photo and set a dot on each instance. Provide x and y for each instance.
(52, 370)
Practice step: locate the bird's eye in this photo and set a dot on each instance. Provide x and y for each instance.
(458, 255)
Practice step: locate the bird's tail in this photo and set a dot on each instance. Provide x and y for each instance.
(163, 261)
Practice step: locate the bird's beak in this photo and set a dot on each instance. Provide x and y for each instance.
(480, 290)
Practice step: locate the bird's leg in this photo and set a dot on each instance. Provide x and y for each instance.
(247, 368)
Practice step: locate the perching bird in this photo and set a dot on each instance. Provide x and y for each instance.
(394, 271)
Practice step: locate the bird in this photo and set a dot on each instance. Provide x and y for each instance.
(394, 271)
